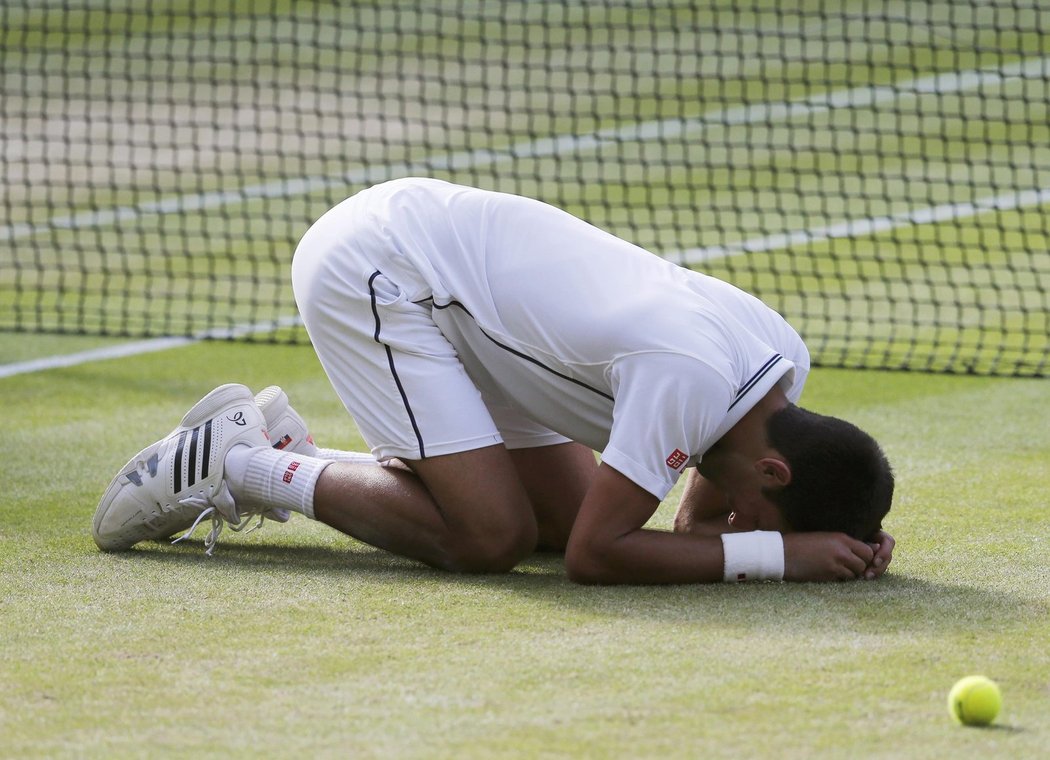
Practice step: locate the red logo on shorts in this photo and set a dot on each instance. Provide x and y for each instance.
(677, 459)
(290, 472)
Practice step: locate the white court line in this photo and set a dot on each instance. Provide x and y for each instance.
(138, 347)
(94, 355)
(871, 226)
(849, 228)
(867, 96)
(857, 97)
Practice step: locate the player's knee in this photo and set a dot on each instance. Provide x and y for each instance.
(494, 552)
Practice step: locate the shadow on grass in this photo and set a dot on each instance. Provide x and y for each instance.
(1002, 728)
(892, 603)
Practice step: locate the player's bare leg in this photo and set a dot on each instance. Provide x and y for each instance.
(466, 512)
(555, 479)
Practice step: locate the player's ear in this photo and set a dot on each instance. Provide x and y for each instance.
(773, 472)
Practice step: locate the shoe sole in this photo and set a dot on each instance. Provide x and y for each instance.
(118, 543)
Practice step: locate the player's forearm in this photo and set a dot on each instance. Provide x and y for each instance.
(609, 543)
(646, 557)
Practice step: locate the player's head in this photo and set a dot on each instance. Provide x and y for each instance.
(840, 478)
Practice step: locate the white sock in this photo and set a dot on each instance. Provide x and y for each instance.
(353, 457)
(262, 477)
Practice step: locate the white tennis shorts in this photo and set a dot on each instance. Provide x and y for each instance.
(385, 353)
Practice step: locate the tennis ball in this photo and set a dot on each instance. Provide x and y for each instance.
(974, 701)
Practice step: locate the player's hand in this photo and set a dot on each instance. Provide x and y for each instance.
(825, 557)
(882, 545)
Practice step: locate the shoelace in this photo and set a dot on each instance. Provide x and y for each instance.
(221, 509)
(216, 524)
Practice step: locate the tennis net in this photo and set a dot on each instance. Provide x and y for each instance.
(876, 170)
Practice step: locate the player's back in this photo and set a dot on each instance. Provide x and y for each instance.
(554, 287)
(526, 271)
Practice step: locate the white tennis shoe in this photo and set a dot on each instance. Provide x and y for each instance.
(129, 512)
(178, 481)
(288, 432)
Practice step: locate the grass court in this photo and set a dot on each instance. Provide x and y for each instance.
(875, 170)
(297, 641)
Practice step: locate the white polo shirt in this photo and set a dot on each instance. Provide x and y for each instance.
(591, 336)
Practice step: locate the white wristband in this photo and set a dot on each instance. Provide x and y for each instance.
(754, 556)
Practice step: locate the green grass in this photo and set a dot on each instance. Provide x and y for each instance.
(296, 641)
(121, 111)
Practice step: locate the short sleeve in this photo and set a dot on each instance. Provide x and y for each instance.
(793, 382)
(668, 411)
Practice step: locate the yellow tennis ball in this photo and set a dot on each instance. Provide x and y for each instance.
(975, 701)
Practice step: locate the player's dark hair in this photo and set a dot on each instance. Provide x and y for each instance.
(840, 477)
